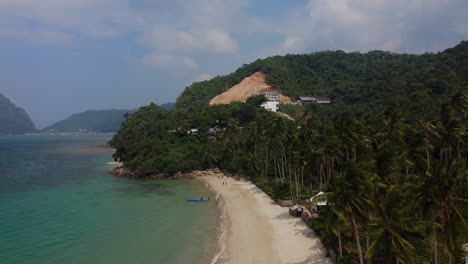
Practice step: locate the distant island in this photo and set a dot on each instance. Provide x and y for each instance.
(94, 121)
(14, 119)
(90, 121)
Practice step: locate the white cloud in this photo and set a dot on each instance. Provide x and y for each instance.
(169, 39)
(220, 40)
(169, 61)
(173, 28)
(189, 28)
(397, 25)
(202, 77)
(96, 19)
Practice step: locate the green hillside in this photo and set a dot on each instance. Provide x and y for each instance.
(389, 152)
(419, 84)
(13, 119)
(90, 121)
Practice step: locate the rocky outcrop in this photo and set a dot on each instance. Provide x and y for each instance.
(13, 119)
(125, 172)
(306, 216)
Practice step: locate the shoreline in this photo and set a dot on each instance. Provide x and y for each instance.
(219, 246)
(257, 230)
(252, 228)
(121, 171)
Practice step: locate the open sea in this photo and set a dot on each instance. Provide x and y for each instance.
(59, 205)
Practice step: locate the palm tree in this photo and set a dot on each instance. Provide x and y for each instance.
(349, 197)
(449, 214)
(430, 132)
(335, 221)
(438, 198)
(393, 224)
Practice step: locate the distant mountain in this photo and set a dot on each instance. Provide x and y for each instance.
(90, 121)
(13, 119)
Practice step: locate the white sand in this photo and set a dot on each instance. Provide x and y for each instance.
(260, 231)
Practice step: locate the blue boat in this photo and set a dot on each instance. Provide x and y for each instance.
(196, 200)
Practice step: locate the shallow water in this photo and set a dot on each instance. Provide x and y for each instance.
(59, 205)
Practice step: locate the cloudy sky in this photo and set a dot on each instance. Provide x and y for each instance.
(59, 57)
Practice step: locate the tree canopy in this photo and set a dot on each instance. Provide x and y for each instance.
(389, 152)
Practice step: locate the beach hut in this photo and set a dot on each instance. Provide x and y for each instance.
(318, 201)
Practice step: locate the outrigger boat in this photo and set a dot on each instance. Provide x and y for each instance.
(197, 200)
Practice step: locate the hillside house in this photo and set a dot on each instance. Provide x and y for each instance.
(314, 100)
(270, 106)
(271, 94)
(216, 130)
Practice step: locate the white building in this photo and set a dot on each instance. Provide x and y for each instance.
(270, 106)
(318, 201)
(193, 132)
(271, 94)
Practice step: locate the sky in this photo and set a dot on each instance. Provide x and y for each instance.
(59, 57)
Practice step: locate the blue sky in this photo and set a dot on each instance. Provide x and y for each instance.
(59, 57)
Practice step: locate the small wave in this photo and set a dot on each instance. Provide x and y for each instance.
(222, 233)
(222, 228)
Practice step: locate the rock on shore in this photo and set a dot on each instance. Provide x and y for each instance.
(125, 172)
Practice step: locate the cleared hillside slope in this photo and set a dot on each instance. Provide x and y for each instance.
(253, 84)
(363, 82)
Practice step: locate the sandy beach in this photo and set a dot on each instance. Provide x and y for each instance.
(260, 231)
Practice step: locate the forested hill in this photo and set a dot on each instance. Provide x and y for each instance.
(90, 121)
(418, 84)
(410, 145)
(13, 119)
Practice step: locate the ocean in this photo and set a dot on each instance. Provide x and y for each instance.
(58, 204)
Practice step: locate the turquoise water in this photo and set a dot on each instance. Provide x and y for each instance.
(59, 205)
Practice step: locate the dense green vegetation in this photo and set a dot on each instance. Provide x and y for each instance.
(90, 121)
(392, 166)
(13, 119)
(154, 140)
(167, 106)
(417, 84)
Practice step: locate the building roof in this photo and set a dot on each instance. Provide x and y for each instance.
(312, 98)
(319, 199)
(323, 98)
(307, 98)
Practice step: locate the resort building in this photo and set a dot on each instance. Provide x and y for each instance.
(314, 100)
(273, 95)
(270, 106)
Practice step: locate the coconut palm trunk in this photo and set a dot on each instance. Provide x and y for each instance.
(434, 241)
(356, 236)
(340, 248)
